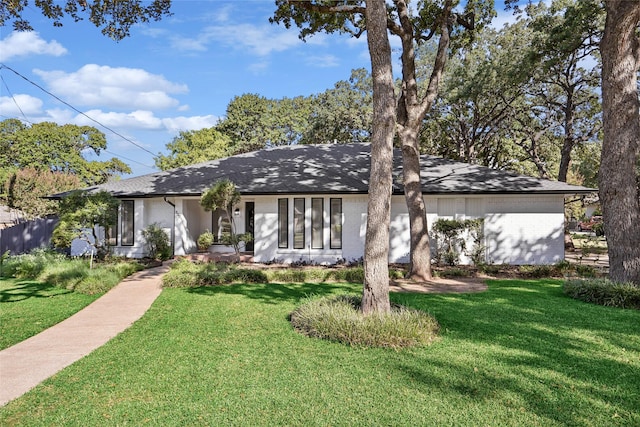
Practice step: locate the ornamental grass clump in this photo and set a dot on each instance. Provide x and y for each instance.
(604, 292)
(338, 318)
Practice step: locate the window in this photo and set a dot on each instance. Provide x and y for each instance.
(127, 218)
(336, 223)
(298, 224)
(283, 223)
(220, 225)
(317, 223)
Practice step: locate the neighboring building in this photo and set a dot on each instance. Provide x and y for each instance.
(10, 217)
(309, 202)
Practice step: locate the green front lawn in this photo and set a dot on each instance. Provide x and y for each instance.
(521, 353)
(28, 307)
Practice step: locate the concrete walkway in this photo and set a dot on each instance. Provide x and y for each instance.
(30, 362)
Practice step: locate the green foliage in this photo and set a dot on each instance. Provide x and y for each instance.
(254, 122)
(186, 274)
(317, 275)
(157, 242)
(342, 114)
(339, 319)
(3, 257)
(26, 189)
(72, 274)
(536, 271)
(598, 229)
(604, 292)
(205, 240)
(224, 195)
(50, 147)
(114, 18)
(31, 265)
(194, 146)
(80, 212)
(451, 240)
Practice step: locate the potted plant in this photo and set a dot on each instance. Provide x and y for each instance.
(205, 240)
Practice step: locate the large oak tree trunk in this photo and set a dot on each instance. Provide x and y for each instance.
(411, 110)
(619, 196)
(375, 295)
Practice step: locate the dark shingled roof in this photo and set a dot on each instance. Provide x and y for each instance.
(327, 169)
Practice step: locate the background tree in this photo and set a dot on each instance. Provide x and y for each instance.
(80, 214)
(619, 195)
(28, 187)
(342, 114)
(57, 148)
(254, 122)
(194, 146)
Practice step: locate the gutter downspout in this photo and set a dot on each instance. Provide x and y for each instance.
(173, 229)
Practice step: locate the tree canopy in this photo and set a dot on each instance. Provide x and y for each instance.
(57, 148)
(113, 17)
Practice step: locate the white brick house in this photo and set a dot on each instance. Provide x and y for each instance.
(309, 202)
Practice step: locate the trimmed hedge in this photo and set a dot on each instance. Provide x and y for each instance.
(187, 274)
(604, 292)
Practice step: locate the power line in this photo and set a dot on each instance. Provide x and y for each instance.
(13, 98)
(104, 149)
(76, 110)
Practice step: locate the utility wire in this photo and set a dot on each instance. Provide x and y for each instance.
(104, 149)
(75, 109)
(13, 98)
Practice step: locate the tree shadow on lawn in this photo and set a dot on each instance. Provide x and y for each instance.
(29, 289)
(276, 293)
(537, 345)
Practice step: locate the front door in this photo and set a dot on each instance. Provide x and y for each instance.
(248, 223)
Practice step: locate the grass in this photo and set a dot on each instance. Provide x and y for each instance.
(521, 353)
(28, 307)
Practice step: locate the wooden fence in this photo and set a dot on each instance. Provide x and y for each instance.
(26, 236)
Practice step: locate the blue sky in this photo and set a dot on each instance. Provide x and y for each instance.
(176, 74)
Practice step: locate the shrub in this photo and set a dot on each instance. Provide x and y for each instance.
(157, 242)
(72, 274)
(585, 270)
(604, 292)
(338, 318)
(536, 271)
(186, 274)
(31, 265)
(205, 240)
(455, 272)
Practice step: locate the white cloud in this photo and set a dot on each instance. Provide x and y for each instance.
(20, 104)
(258, 40)
(113, 87)
(26, 43)
(175, 124)
(259, 67)
(132, 121)
(139, 119)
(323, 61)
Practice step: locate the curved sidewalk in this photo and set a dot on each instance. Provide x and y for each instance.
(26, 364)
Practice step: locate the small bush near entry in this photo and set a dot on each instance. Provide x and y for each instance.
(604, 292)
(157, 242)
(338, 318)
